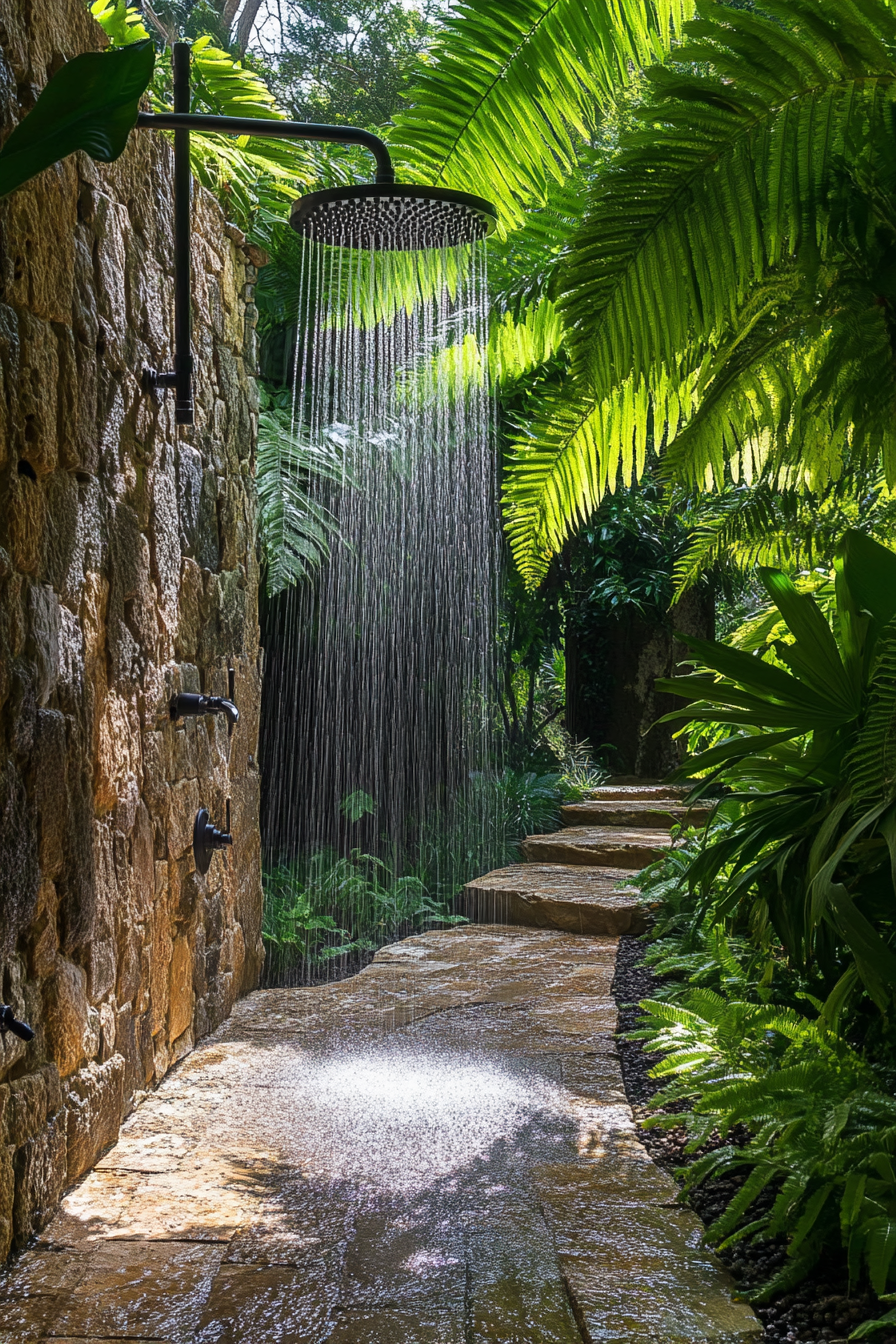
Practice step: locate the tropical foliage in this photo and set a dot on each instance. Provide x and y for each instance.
(782, 527)
(510, 90)
(803, 734)
(746, 1049)
(821, 1119)
(254, 178)
(728, 282)
(725, 293)
(304, 898)
(90, 104)
(295, 528)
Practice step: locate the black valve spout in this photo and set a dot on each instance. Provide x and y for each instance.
(188, 705)
(9, 1022)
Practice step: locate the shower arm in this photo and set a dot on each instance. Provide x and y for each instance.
(182, 121)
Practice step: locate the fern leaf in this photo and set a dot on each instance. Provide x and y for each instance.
(510, 88)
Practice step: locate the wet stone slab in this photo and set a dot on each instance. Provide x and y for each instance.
(637, 813)
(438, 1151)
(556, 896)
(598, 846)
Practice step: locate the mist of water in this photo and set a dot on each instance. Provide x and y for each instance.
(379, 673)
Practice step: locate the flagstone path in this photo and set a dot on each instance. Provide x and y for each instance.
(436, 1151)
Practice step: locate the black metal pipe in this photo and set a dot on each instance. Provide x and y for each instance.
(183, 185)
(182, 121)
(275, 130)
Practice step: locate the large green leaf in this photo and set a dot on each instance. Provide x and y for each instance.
(90, 104)
(754, 673)
(814, 656)
(870, 573)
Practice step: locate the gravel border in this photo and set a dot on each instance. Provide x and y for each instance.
(820, 1309)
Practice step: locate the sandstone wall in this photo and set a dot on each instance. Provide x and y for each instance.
(127, 572)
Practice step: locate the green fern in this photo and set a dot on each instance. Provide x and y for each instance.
(730, 262)
(823, 1128)
(510, 89)
(295, 528)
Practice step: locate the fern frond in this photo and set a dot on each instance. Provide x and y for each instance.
(727, 182)
(708, 272)
(295, 528)
(563, 463)
(510, 89)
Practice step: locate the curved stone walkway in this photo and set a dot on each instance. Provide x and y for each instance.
(437, 1151)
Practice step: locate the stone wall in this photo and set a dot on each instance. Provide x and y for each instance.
(127, 571)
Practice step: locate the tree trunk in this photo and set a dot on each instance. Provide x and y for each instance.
(228, 12)
(246, 24)
(611, 696)
(153, 19)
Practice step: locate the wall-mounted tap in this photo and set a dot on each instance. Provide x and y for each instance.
(207, 838)
(186, 704)
(9, 1022)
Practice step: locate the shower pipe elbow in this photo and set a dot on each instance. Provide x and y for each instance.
(275, 130)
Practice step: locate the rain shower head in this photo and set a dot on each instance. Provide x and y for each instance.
(391, 217)
(382, 217)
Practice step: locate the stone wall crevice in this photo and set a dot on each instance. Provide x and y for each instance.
(128, 572)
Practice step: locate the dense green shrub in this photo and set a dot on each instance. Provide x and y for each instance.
(304, 899)
(803, 732)
(744, 1044)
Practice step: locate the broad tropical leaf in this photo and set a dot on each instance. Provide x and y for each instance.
(812, 763)
(91, 104)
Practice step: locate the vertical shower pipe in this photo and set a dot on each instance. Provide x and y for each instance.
(183, 182)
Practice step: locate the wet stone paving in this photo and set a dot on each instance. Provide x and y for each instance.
(436, 1151)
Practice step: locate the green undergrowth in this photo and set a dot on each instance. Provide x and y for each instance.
(330, 911)
(748, 1048)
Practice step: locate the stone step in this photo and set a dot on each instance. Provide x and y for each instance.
(624, 793)
(597, 847)
(659, 814)
(556, 896)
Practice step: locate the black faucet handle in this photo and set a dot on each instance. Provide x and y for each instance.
(207, 838)
(231, 683)
(9, 1022)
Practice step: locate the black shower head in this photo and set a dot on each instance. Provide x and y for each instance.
(390, 217)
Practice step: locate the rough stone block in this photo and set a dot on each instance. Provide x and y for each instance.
(65, 1015)
(180, 1013)
(94, 1106)
(40, 1174)
(110, 534)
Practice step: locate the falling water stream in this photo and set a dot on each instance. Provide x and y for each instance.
(379, 672)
